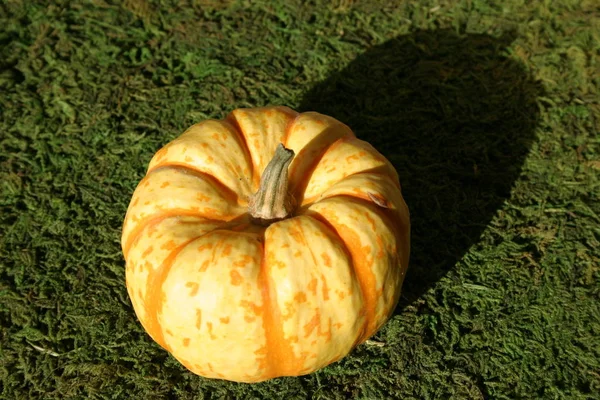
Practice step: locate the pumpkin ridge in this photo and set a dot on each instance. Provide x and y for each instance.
(387, 214)
(268, 323)
(230, 119)
(154, 298)
(361, 286)
(395, 223)
(300, 188)
(158, 217)
(288, 129)
(280, 355)
(228, 193)
(243, 143)
(318, 197)
(311, 168)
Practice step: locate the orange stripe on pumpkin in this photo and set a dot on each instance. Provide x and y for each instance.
(362, 271)
(155, 297)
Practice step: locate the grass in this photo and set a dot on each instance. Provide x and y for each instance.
(490, 110)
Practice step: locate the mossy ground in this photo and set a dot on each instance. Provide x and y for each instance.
(490, 110)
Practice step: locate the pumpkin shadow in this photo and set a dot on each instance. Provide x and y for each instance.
(456, 116)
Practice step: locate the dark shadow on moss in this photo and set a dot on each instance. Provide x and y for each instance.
(456, 117)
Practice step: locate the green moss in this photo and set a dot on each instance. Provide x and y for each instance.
(489, 111)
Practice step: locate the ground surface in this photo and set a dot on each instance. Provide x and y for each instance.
(489, 110)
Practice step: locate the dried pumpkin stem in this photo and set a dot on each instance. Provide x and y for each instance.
(272, 202)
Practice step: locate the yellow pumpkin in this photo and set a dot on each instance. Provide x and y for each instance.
(267, 244)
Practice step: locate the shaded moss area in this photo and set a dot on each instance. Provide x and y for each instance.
(489, 110)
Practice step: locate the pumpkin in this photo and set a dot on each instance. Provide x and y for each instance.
(266, 244)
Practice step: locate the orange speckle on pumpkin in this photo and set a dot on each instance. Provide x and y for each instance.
(236, 278)
(188, 159)
(300, 297)
(251, 307)
(165, 184)
(186, 342)
(205, 246)
(325, 288)
(297, 234)
(312, 286)
(312, 324)
(352, 157)
(285, 245)
(205, 145)
(209, 159)
(198, 318)
(227, 249)
(248, 318)
(194, 288)
(148, 266)
(224, 320)
(298, 253)
(146, 203)
(290, 310)
(209, 326)
(147, 251)
(135, 202)
(245, 260)
(169, 332)
(170, 245)
(204, 265)
(326, 259)
(271, 260)
(202, 197)
(294, 339)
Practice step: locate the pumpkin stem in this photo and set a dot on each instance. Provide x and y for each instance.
(272, 202)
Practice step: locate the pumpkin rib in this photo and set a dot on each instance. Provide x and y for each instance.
(231, 120)
(225, 190)
(267, 313)
(280, 353)
(235, 118)
(235, 127)
(387, 214)
(316, 198)
(154, 298)
(361, 285)
(397, 225)
(288, 129)
(144, 223)
(299, 190)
